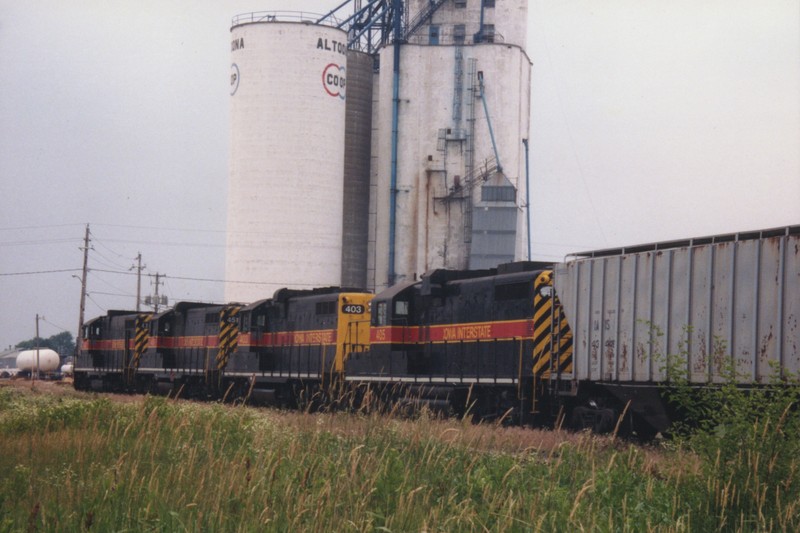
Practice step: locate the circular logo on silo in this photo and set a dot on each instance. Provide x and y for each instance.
(234, 78)
(333, 80)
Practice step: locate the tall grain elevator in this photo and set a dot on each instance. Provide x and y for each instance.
(450, 185)
(376, 142)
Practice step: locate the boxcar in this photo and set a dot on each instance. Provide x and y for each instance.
(712, 309)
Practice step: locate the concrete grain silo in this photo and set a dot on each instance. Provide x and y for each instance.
(422, 166)
(449, 159)
(288, 83)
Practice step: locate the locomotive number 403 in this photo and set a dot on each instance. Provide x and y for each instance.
(353, 309)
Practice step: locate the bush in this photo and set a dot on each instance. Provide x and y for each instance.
(748, 438)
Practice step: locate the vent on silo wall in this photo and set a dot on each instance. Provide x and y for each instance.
(494, 226)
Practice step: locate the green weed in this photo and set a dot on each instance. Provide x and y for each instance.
(161, 465)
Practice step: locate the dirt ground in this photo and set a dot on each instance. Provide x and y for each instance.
(61, 388)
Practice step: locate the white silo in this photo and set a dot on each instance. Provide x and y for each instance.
(463, 68)
(288, 83)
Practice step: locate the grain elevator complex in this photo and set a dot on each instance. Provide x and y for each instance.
(376, 142)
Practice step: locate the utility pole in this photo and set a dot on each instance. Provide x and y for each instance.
(138, 282)
(155, 303)
(79, 338)
(156, 300)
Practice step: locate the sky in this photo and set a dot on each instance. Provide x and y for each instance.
(650, 121)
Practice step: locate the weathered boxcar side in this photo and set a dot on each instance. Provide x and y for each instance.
(704, 306)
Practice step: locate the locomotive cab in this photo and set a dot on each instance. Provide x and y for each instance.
(255, 349)
(105, 350)
(393, 306)
(161, 349)
(93, 329)
(391, 313)
(91, 353)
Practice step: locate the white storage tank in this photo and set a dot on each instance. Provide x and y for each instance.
(288, 84)
(47, 360)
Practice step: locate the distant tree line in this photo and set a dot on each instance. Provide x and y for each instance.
(62, 343)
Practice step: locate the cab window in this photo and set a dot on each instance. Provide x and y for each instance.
(401, 308)
(380, 314)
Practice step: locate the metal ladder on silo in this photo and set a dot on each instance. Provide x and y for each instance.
(458, 86)
(472, 70)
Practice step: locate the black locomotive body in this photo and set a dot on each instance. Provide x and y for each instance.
(112, 347)
(295, 342)
(467, 341)
(277, 348)
(289, 336)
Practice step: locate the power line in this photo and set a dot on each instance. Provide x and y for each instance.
(62, 328)
(31, 243)
(101, 280)
(182, 278)
(124, 273)
(40, 272)
(112, 294)
(110, 262)
(165, 243)
(83, 224)
(192, 230)
(40, 227)
(104, 245)
(210, 280)
(100, 307)
(125, 226)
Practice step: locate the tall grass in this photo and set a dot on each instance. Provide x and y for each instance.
(747, 439)
(88, 464)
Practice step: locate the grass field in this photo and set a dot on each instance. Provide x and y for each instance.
(76, 462)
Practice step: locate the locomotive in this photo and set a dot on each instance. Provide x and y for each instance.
(275, 349)
(582, 342)
(489, 343)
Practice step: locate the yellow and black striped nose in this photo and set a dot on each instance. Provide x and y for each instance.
(228, 334)
(141, 338)
(552, 337)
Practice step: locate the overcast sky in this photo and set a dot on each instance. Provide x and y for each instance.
(651, 121)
